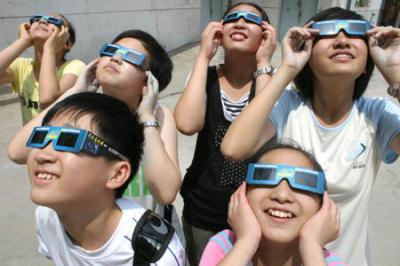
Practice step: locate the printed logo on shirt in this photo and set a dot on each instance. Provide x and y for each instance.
(355, 152)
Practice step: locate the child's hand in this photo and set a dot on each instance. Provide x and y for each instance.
(210, 40)
(57, 40)
(267, 45)
(86, 80)
(323, 227)
(297, 46)
(24, 33)
(149, 100)
(384, 45)
(243, 221)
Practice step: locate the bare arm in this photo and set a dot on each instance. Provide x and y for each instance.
(50, 88)
(190, 110)
(253, 122)
(9, 54)
(384, 45)
(160, 158)
(160, 155)
(17, 150)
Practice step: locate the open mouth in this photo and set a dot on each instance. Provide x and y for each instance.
(280, 214)
(238, 36)
(342, 56)
(45, 176)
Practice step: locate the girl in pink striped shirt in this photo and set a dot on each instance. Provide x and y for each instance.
(283, 217)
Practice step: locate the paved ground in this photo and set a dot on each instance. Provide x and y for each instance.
(17, 229)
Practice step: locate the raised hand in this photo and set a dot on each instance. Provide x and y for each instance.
(267, 45)
(323, 227)
(384, 46)
(24, 33)
(149, 100)
(86, 80)
(57, 40)
(297, 46)
(210, 40)
(242, 219)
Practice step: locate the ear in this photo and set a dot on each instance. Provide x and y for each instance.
(68, 45)
(119, 175)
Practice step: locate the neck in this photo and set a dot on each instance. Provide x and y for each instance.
(239, 68)
(90, 225)
(38, 45)
(333, 100)
(273, 254)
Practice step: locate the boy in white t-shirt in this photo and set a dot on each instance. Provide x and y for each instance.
(79, 166)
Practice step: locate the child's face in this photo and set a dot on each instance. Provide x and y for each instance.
(281, 211)
(63, 178)
(242, 35)
(121, 79)
(339, 56)
(41, 30)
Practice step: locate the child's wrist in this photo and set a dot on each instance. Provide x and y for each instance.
(25, 42)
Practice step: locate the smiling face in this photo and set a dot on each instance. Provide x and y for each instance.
(240, 34)
(63, 178)
(339, 55)
(281, 211)
(121, 79)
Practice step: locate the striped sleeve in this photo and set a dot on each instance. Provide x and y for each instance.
(332, 259)
(217, 248)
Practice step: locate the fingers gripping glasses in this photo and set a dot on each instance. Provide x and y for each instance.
(246, 15)
(52, 20)
(71, 140)
(128, 55)
(297, 177)
(351, 27)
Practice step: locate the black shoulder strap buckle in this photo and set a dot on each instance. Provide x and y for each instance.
(150, 238)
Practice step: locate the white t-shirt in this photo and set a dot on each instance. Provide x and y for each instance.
(350, 155)
(56, 245)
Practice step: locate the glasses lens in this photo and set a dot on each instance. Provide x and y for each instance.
(38, 137)
(55, 21)
(306, 179)
(67, 139)
(133, 58)
(264, 174)
(110, 49)
(357, 28)
(327, 28)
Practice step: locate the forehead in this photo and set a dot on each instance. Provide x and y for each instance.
(73, 120)
(245, 7)
(287, 157)
(134, 44)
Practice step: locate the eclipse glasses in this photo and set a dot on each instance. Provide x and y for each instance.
(71, 140)
(129, 55)
(350, 27)
(297, 177)
(52, 20)
(246, 15)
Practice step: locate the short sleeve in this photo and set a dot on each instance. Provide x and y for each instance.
(332, 259)
(288, 101)
(217, 248)
(386, 116)
(39, 226)
(72, 67)
(16, 66)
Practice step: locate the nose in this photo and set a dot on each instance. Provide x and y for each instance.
(282, 193)
(44, 21)
(45, 155)
(240, 23)
(117, 58)
(341, 40)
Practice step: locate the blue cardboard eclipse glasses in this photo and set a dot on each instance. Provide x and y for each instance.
(333, 27)
(52, 20)
(246, 15)
(297, 177)
(71, 140)
(127, 54)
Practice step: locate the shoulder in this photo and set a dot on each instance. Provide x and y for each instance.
(218, 247)
(74, 66)
(21, 62)
(375, 108)
(332, 259)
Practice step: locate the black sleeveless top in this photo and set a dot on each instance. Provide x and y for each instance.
(211, 179)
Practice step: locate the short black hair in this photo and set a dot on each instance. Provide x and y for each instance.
(160, 63)
(113, 121)
(304, 81)
(256, 6)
